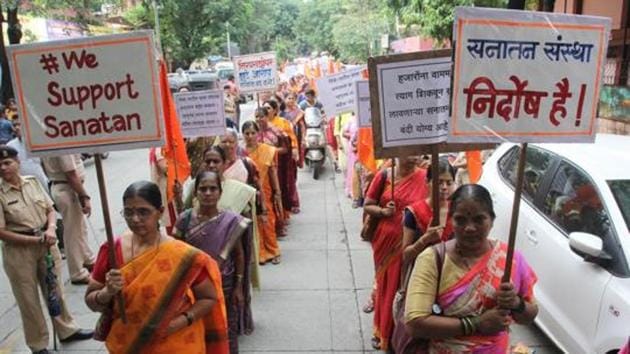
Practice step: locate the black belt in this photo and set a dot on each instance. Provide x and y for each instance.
(58, 182)
(30, 232)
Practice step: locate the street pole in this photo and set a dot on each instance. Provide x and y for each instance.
(158, 38)
(229, 49)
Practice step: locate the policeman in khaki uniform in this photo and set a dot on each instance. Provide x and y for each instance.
(27, 231)
(66, 175)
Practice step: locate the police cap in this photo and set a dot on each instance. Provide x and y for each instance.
(7, 152)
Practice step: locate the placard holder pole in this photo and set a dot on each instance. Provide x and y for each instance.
(435, 185)
(108, 230)
(257, 100)
(515, 212)
(393, 176)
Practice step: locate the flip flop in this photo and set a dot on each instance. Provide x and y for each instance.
(369, 306)
(276, 260)
(376, 343)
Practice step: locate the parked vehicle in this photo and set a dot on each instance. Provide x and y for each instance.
(574, 231)
(199, 80)
(315, 152)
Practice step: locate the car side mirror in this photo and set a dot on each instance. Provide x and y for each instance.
(589, 247)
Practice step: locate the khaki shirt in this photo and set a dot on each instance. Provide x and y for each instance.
(26, 208)
(56, 167)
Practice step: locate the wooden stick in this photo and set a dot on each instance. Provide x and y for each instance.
(435, 185)
(393, 176)
(108, 230)
(257, 100)
(516, 206)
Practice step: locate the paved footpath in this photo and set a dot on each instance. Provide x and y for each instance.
(310, 303)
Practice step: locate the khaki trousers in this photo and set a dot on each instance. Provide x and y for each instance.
(26, 269)
(75, 231)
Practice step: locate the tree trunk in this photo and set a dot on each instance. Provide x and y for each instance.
(548, 5)
(6, 89)
(14, 28)
(516, 4)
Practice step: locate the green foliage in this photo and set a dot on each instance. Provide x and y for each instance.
(358, 28)
(315, 25)
(435, 17)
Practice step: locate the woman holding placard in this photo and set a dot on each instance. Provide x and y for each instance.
(387, 203)
(455, 297)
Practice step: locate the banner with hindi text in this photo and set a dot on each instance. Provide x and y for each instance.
(526, 76)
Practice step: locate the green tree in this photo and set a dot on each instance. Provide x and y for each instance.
(314, 26)
(359, 27)
(435, 17)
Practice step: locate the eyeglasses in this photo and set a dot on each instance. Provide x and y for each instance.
(143, 213)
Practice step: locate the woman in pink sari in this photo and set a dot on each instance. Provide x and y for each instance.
(463, 306)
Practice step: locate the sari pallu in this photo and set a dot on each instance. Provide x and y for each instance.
(475, 292)
(387, 246)
(218, 237)
(264, 156)
(158, 289)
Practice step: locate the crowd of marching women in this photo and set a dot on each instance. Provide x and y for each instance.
(191, 254)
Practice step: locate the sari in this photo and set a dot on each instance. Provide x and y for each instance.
(351, 129)
(299, 128)
(218, 237)
(387, 245)
(287, 167)
(157, 289)
(467, 293)
(237, 171)
(423, 214)
(273, 136)
(264, 156)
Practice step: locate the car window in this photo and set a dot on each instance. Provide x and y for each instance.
(573, 203)
(536, 165)
(621, 191)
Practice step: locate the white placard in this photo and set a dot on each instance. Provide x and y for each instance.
(85, 95)
(201, 113)
(336, 92)
(414, 100)
(256, 72)
(362, 101)
(526, 76)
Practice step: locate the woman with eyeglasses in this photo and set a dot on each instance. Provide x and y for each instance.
(220, 233)
(172, 291)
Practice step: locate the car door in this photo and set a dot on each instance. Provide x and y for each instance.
(569, 289)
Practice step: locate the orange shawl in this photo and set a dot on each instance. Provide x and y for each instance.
(157, 289)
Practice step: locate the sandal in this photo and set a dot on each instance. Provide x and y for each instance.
(295, 210)
(376, 343)
(369, 306)
(276, 260)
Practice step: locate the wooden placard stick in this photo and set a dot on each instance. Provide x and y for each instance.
(435, 185)
(516, 206)
(257, 99)
(393, 176)
(108, 230)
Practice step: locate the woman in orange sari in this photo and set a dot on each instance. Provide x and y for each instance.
(264, 156)
(172, 291)
(410, 186)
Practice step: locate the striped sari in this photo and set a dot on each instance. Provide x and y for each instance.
(474, 293)
(157, 289)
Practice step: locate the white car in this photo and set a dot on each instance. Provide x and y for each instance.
(574, 231)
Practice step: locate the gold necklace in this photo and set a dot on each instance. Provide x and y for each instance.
(464, 259)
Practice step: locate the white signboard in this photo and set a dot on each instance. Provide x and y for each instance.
(413, 100)
(85, 95)
(201, 113)
(362, 102)
(256, 72)
(336, 92)
(526, 76)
